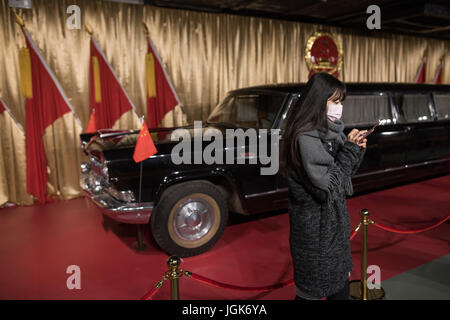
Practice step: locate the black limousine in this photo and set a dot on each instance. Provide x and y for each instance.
(186, 205)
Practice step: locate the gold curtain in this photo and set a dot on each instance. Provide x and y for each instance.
(205, 54)
(13, 184)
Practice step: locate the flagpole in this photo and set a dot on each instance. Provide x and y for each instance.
(140, 244)
(58, 193)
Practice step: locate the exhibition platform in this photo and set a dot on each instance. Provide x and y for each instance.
(38, 243)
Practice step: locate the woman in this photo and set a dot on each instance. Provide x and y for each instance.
(319, 163)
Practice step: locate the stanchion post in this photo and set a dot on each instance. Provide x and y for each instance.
(365, 223)
(174, 274)
(358, 289)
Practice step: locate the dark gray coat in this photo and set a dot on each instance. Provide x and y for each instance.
(319, 219)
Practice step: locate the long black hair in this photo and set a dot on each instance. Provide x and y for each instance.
(309, 113)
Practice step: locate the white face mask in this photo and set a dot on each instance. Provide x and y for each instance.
(334, 112)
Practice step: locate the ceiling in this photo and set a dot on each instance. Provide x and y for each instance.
(420, 18)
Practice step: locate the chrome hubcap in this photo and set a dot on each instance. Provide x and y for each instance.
(193, 219)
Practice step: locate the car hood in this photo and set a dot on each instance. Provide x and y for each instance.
(104, 140)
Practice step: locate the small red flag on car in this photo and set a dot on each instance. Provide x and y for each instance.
(92, 125)
(144, 145)
(421, 75)
(438, 76)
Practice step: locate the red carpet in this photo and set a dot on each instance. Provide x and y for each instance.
(38, 243)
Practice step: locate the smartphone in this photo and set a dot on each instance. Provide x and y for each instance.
(372, 129)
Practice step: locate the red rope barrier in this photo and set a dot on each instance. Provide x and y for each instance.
(353, 234)
(218, 284)
(222, 285)
(150, 294)
(286, 283)
(411, 231)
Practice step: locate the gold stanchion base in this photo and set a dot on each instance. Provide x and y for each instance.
(372, 294)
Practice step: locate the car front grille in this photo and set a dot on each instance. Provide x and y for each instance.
(98, 168)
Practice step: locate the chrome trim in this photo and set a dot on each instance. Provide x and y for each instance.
(99, 167)
(116, 134)
(106, 201)
(263, 193)
(193, 219)
(356, 176)
(283, 113)
(431, 107)
(395, 113)
(85, 167)
(125, 195)
(95, 161)
(83, 147)
(98, 182)
(406, 166)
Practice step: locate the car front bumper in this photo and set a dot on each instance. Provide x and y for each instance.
(125, 212)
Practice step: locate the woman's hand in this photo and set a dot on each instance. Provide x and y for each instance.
(357, 137)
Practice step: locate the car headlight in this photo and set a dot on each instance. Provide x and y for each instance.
(126, 195)
(105, 169)
(85, 167)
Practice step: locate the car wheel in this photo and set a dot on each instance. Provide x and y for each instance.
(189, 218)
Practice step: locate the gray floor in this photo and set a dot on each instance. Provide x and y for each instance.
(430, 281)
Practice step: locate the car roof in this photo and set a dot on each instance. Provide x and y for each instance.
(351, 87)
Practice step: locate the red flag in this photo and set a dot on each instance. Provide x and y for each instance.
(2, 108)
(161, 96)
(92, 126)
(48, 103)
(422, 72)
(438, 76)
(107, 95)
(144, 145)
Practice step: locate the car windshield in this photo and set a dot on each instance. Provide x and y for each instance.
(250, 110)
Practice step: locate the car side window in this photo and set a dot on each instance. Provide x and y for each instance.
(366, 109)
(246, 108)
(286, 115)
(414, 107)
(252, 110)
(223, 111)
(442, 103)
